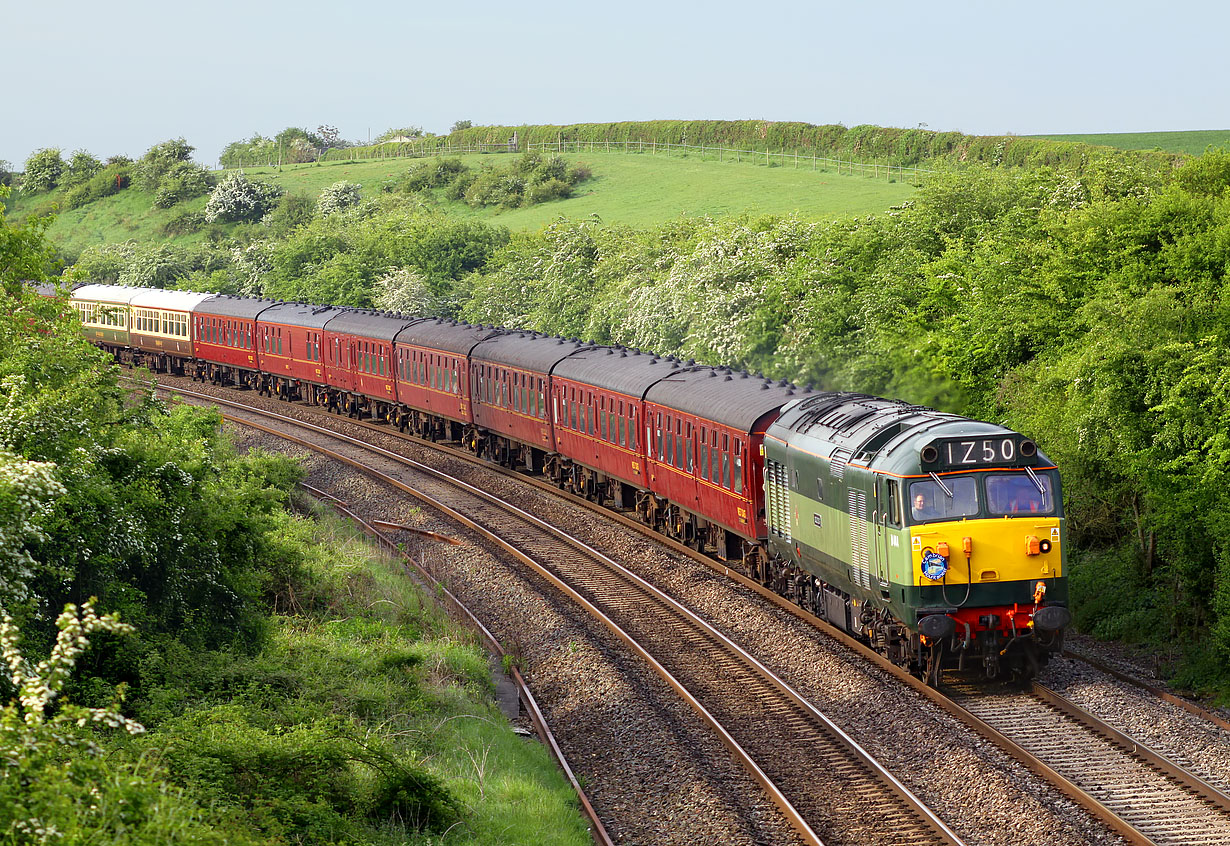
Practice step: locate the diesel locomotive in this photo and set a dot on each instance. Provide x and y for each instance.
(936, 538)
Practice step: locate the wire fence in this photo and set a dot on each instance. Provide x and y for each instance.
(799, 159)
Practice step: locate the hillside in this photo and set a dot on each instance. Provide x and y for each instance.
(637, 190)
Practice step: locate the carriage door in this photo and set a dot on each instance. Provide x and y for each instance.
(887, 515)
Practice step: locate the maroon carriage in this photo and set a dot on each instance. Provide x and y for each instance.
(361, 377)
(598, 392)
(290, 348)
(509, 380)
(704, 429)
(224, 332)
(431, 363)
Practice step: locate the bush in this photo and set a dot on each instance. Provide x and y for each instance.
(184, 222)
(110, 180)
(183, 181)
(159, 161)
(238, 199)
(291, 212)
(337, 197)
(544, 192)
(81, 167)
(43, 171)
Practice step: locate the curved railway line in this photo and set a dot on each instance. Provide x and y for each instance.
(829, 784)
(1138, 794)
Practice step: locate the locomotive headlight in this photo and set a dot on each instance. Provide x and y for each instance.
(1044, 546)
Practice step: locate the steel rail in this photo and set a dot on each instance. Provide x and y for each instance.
(796, 820)
(598, 831)
(979, 726)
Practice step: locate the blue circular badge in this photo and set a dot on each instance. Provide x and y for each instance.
(934, 565)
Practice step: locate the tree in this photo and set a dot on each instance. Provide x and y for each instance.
(25, 255)
(43, 171)
(238, 198)
(460, 125)
(81, 167)
(159, 160)
(330, 138)
(297, 145)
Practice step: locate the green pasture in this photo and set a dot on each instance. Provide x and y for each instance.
(1193, 143)
(637, 189)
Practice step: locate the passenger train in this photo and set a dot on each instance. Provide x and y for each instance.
(936, 538)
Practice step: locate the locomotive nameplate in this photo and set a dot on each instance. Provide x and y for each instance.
(1006, 450)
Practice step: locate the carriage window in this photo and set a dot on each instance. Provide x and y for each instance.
(704, 461)
(738, 473)
(670, 447)
(726, 471)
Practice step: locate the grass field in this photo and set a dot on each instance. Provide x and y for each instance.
(1193, 143)
(634, 189)
(642, 190)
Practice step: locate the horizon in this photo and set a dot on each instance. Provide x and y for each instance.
(120, 78)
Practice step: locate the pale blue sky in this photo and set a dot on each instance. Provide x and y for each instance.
(119, 76)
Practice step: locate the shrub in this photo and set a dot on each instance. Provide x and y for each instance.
(551, 189)
(183, 181)
(110, 180)
(337, 197)
(159, 160)
(291, 212)
(184, 222)
(43, 171)
(81, 167)
(238, 198)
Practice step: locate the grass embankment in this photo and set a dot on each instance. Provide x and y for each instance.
(630, 188)
(364, 681)
(1193, 143)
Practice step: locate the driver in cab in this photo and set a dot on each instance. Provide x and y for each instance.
(921, 510)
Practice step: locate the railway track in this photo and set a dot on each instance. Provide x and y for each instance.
(1158, 801)
(1139, 795)
(828, 787)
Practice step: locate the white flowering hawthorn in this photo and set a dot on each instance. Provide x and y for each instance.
(27, 489)
(25, 728)
(338, 197)
(405, 290)
(238, 198)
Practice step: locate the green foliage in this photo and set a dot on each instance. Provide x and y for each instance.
(43, 171)
(460, 125)
(159, 161)
(107, 181)
(182, 181)
(257, 150)
(291, 212)
(526, 181)
(80, 168)
(25, 255)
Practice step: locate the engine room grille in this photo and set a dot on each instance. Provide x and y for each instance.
(777, 497)
(858, 538)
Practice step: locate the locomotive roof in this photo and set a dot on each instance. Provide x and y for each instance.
(226, 305)
(378, 325)
(525, 350)
(629, 372)
(299, 314)
(881, 433)
(731, 398)
(107, 293)
(446, 335)
(172, 300)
